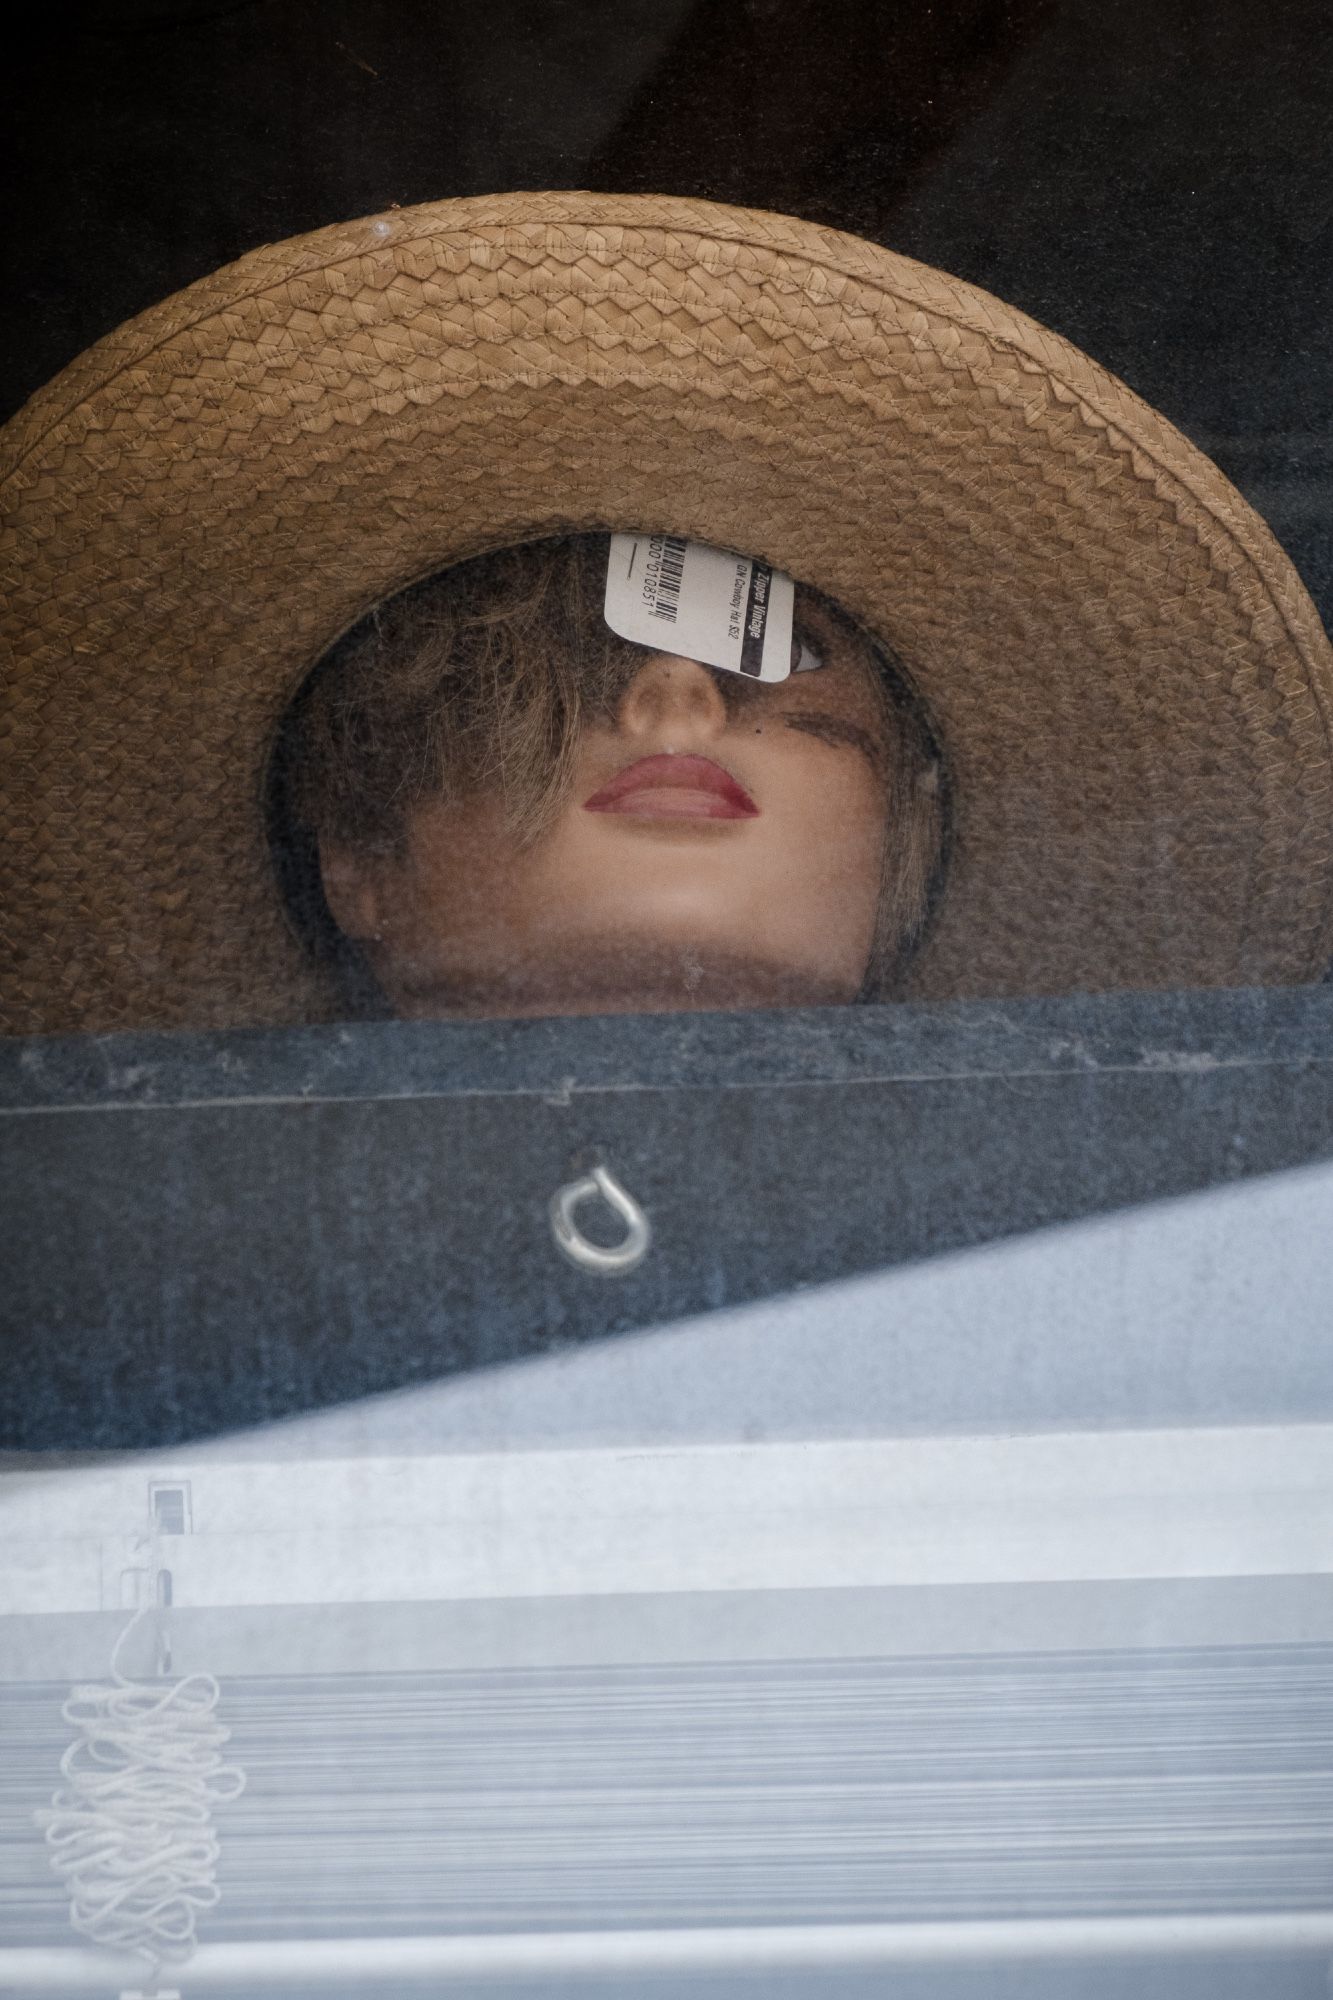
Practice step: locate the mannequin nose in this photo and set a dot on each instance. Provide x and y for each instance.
(672, 693)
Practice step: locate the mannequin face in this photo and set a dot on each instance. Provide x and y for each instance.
(707, 855)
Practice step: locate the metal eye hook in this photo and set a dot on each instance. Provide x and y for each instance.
(623, 1256)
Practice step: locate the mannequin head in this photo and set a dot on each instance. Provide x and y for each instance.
(513, 811)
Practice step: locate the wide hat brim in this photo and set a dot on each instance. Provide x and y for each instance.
(1132, 687)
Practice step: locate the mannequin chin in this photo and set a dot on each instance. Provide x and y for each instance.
(705, 856)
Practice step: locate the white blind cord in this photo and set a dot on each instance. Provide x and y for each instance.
(131, 1832)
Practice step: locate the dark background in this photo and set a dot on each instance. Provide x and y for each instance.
(1153, 178)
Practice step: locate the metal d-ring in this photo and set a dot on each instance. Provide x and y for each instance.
(623, 1256)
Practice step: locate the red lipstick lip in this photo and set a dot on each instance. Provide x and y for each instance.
(674, 787)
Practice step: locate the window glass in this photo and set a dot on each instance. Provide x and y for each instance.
(664, 1025)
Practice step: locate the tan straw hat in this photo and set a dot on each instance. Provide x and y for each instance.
(1134, 692)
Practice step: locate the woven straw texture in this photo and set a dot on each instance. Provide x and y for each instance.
(1133, 689)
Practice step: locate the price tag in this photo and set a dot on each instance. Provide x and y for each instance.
(706, 604)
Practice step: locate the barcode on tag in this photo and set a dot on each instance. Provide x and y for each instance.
(723, 609)
(668, 551)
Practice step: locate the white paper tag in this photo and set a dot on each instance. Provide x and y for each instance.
(705, 604)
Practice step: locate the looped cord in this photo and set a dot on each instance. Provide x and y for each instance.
(131, 1832)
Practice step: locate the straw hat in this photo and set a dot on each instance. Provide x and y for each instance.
(1133, 689)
